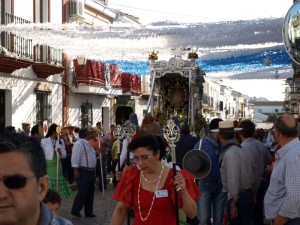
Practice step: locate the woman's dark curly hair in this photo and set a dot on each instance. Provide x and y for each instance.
(154, 143)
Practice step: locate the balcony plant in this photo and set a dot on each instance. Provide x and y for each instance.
(2, 51)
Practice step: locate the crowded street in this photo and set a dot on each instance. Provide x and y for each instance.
(103, 208)
(149, 112)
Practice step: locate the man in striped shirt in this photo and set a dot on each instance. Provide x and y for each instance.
(261, 157)
(282, 200)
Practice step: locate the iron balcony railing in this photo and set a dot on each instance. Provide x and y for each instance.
(15, 44)
(295, 89)
(24, 49)
(7, 18)
(47, 54)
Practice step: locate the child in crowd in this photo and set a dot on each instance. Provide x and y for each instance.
(53, 201)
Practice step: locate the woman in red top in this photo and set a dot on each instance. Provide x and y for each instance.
(148, 187)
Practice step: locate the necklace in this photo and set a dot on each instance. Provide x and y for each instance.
(150, 181)
(153, 198)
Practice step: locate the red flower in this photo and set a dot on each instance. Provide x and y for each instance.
(148, 119)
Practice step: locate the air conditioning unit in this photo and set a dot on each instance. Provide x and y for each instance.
(77, 8)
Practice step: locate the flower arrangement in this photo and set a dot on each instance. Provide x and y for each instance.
(193, 55)
(148, 119)
(153, 55)
(161, 117)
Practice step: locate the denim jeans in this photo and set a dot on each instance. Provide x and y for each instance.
(211, 203)
(295, 221)
(258, 214)
(85, 194)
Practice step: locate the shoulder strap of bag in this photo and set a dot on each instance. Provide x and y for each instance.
(200, 144)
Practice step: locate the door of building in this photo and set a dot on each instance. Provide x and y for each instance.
(122, 114)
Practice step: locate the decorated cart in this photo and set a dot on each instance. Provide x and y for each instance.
(177, 86)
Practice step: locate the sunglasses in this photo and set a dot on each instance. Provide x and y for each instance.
(16, 181)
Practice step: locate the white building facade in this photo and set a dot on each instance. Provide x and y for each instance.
(38, 83)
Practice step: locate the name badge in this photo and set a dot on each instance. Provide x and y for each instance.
(161, 194)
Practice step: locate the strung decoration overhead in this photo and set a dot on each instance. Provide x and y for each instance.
(253, 63)
(219, 54)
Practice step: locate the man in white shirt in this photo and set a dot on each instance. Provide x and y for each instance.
(84, 164)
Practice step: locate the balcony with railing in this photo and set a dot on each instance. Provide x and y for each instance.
(294, 93)
(18, 52)
(19, 46)
(47, 60)
(90, 76)
(7, 18)
(22, 48)
(293, 89)
(14, 47)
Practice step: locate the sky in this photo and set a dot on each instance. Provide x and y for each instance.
(271, 89)
(201, 10)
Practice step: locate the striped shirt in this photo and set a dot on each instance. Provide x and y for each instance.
(259, 151)
(283, 195)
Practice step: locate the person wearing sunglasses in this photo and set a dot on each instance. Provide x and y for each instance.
(148, 186)
(24, 183)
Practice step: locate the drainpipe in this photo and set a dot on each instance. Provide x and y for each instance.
(65, 92)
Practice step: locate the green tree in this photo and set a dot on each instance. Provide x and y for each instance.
(272, 117)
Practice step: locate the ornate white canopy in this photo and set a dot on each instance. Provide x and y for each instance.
(174, 65)
(184, 76)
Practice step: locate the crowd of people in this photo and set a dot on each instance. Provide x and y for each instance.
(253, 175)
(70, 155)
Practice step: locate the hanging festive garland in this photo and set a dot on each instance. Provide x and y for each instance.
(279, 58)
